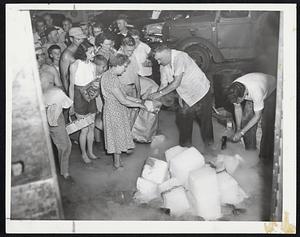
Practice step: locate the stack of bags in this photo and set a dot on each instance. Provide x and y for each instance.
(187, 185)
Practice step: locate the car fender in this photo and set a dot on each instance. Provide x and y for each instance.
(216, 54)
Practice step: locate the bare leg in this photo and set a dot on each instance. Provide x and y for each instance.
(90, 141)
(82, 143)
(117, 161)
(97, 135)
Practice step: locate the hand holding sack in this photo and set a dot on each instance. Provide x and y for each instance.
(146, 122)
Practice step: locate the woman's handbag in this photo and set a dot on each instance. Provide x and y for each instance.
(79, 123)
(146, 123)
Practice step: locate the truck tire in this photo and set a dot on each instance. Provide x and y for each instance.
(200, 55)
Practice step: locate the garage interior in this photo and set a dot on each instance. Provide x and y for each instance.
(99, 192)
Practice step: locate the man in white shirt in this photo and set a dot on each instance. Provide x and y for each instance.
(141, 54)
(258, 90)
(182, 74)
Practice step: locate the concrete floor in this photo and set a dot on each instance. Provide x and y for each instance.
(103, 194)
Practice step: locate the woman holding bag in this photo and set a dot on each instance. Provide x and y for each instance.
(82, 72)
(117, 132)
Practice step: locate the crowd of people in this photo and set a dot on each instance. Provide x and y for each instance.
(88, 71)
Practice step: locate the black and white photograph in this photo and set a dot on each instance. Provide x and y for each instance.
(151, 118)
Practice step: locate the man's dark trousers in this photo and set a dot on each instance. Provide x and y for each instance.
(202, 113)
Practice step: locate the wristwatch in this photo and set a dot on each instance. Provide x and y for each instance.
(241, 132)
(160, 92)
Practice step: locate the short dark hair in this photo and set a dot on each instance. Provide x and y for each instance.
(128, 41)
(119, 60)
(135, 32)
(100, 58)
(234, 91)
(39, 19)
(67, 19)
(103, 36)
(82, 49)
(122, 17)
(161, 47)
(52, 47)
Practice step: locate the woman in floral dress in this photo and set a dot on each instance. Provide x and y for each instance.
(117, 134)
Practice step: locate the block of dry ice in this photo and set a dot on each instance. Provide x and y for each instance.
(230, 190)
(173, 151)
(182, 164)
(176, 200)
(146, 190)
(155, 170)
(203, 184)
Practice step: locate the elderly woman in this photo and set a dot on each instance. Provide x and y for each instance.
(117, 134)
(82, 72)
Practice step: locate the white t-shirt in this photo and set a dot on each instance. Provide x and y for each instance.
(259, 86)
(85, 73)
(141, 53)
(194, 84)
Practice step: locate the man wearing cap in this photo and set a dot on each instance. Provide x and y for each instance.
(52, 38)
(67, 58)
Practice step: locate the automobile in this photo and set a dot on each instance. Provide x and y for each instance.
(219, 36)
(149, 22)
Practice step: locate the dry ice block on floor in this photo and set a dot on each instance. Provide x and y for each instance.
(146, 190)
(230, 190)
(174, 197)
(186, 185)
(173, 151)
(183, 163)
(230, 163)
(203, 185)
(176, 200)
(155, 170)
